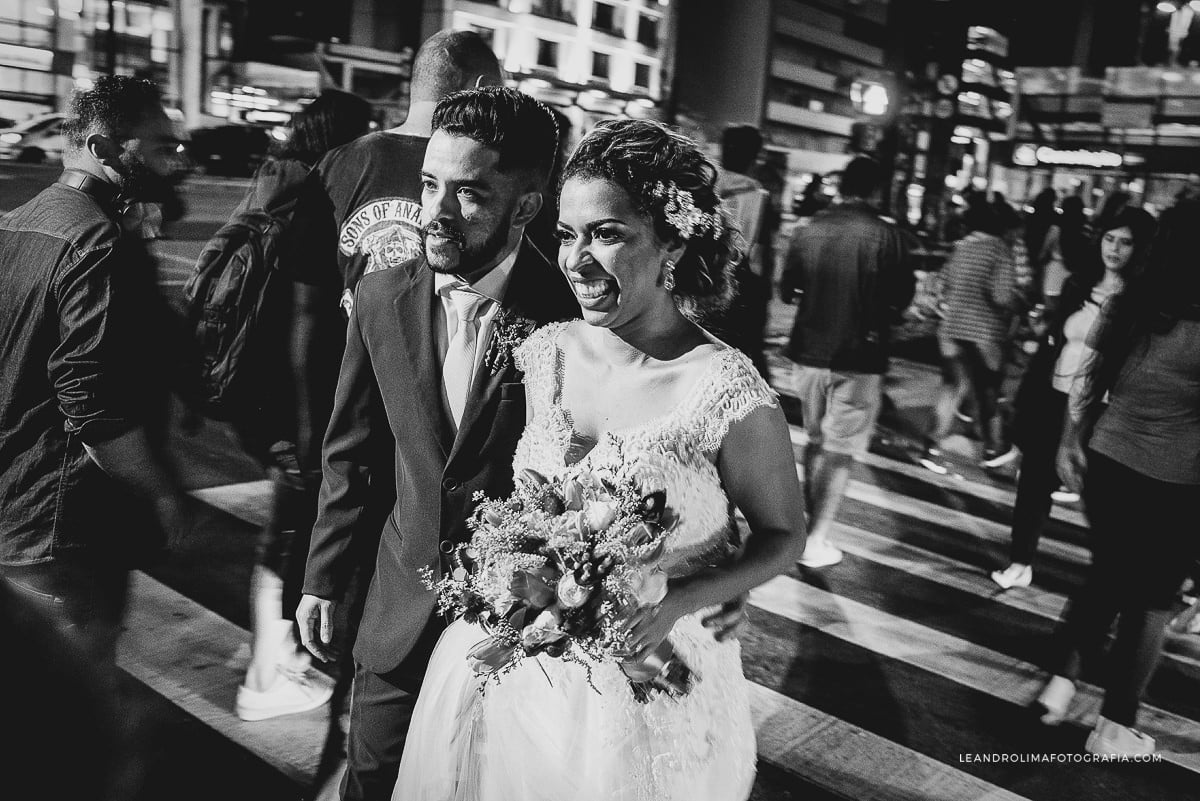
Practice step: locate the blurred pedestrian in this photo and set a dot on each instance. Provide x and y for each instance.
(1038, 223)
(812, 198)
(748, 206)
(66, 734)
(848, 271)
(278, 679)
(1137, 461)
(89, 348)
(1041, 402)
(1113, 204)
(980, 296)
(1063, 250)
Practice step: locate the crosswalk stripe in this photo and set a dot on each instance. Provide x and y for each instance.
(977, 527)
(183, 651)
(952, 573)
(977, 489)
(947, 572)
(852, 761)
(246, 501)
(973, 666)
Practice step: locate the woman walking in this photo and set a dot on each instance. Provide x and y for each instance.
(981, 294)
(1041, 401)
(1138, 461)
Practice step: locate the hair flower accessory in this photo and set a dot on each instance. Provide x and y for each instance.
(683, 214)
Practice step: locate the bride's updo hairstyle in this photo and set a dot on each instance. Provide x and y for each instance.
(668, 178)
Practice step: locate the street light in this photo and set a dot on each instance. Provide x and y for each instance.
(869, 97)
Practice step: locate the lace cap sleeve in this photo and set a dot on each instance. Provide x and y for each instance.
(537, 357)
(734, 390)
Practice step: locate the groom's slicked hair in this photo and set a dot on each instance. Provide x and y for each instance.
(520, 129)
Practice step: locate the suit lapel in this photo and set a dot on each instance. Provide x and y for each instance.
(414, 314)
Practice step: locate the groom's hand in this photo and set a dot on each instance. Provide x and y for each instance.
(315, 616)
(728, 619)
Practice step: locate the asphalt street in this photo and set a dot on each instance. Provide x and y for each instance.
(901, 673)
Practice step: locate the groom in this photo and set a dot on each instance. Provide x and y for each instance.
(428, 362)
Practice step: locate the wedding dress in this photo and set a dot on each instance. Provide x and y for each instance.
(542, 731)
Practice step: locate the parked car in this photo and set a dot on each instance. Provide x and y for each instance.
(34, 141)
(234, 150)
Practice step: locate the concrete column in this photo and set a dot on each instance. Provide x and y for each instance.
(191, 60)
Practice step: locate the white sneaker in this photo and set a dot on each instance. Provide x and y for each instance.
(291, 694)
(1013, 576)
(1056, 699)
(1001, 459)
(1113, 739)
(1064, 495)
(820, 554)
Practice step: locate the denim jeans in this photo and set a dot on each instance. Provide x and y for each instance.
(86, 598)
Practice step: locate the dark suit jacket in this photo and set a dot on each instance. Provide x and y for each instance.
(391, 376)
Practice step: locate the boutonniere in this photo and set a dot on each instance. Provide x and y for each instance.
(509, 330)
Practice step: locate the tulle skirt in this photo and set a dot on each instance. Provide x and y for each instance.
(544, 732)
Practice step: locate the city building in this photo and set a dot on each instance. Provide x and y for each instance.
(956, 110)
(289, 50)
(1119, 111)
(217, 61)
(815, 76)
(47, 46)
(591, 59)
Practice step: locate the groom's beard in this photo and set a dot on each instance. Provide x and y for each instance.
(461, 258)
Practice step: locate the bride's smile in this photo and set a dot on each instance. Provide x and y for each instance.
(611, 254)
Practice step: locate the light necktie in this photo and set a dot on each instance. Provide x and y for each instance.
(459, 366)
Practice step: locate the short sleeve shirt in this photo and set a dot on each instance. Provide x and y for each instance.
(361, 211)
(1152, 422)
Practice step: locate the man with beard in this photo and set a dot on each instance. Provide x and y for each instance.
(428, 362)
(360, 213)
(85, 339)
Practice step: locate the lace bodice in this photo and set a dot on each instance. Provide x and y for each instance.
(676, 450)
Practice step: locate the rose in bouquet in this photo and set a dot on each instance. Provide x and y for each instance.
(558, 568)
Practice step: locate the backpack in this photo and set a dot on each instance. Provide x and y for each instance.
(238, 304)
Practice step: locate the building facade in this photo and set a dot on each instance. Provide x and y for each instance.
(814, 75)
(215, 60)
(590, 59)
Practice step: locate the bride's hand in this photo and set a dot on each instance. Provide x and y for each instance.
(650, 625)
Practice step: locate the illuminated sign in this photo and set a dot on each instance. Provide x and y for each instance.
(988, 40)
(1033, 155)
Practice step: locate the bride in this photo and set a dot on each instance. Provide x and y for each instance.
(646, 249)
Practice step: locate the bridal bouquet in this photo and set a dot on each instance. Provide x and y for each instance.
(557, 567)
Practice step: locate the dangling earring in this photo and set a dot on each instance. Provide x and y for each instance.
(669, 276)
